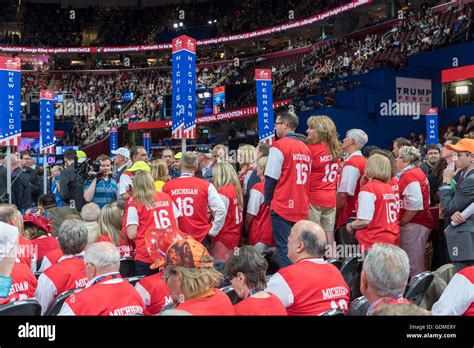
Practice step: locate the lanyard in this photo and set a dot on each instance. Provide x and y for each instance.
(254, 291)
(111, 276)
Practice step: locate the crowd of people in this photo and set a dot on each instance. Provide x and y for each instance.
(269, 221)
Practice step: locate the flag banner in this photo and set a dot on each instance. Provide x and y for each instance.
(183, 107)
(266, 130)
(432, 126)
(113, 141)
(46, 121)
(10, 98)
(147, 142)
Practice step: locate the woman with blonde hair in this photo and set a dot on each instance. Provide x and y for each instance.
(147, 210)
(377, 207)
(246, 158)
(226, 181)
(326, 153)
(160, 173)
(110, 230)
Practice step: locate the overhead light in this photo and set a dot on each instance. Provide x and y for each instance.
(210, 22)
(462, 90)
(175, 25)
(215, 20)
(180, 24)
(23, 103)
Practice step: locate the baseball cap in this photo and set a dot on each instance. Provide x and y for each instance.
(81, 154)
(178, 155)
(140, 165)
(159, 240)
(463, 145)
(123, 151)
(187, 253)
(202, 149)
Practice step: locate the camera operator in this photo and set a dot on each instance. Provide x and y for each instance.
(71, 182)
(100, 187)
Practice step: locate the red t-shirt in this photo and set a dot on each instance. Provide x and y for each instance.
(377, 202)
(45, 245)
(323, 178)
(217, 304)
(232, 229)
(415, 195)
(260, 230)
(23, 284)
(107, 297)
(68, 274)
(190, 194)
(290, 163)
(154, 293)
(260, 306)
(126, 246)
(53, 256)
(26, 251)
(161, 215)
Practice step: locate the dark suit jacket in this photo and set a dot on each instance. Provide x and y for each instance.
(460, 238)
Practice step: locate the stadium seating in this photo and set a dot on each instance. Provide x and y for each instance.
(351, 269)
(336, 312)
(58, 302)
(359, 306)
(418, 287)
(134, 280)
(28, 307)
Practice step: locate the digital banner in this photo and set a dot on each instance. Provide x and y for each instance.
(10, 98)
(183, 107)
(228, 115)
(209, 41)
(414, 91)
(266, 130)
(432, 126)
(147, 142)
(218, 99)
(46, 121)
(113, 141)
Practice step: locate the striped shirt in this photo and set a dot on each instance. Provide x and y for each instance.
(105, 191)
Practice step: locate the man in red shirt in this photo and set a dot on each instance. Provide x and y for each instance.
(384, 275)
(287, 182)
(106, 293)
(193, 197)
(349, 181)
(69, 272)
(310, 286)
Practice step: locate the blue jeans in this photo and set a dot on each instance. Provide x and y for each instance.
(281, 230)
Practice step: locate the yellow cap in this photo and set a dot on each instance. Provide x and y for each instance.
(140, 165)
(178, 155)
(81, 154)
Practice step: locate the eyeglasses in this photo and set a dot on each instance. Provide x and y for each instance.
(278, 123)
(83, 269)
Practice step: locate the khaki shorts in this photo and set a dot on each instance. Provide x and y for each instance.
(326, 217)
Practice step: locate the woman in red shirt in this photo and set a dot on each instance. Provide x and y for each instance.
(147, 210)
(377, 207)
(110, 230)
(326, 153)
(246, 269)
(224, 178)
(246, 156)
(38, 229)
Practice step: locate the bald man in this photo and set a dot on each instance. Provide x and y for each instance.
(310, 286)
